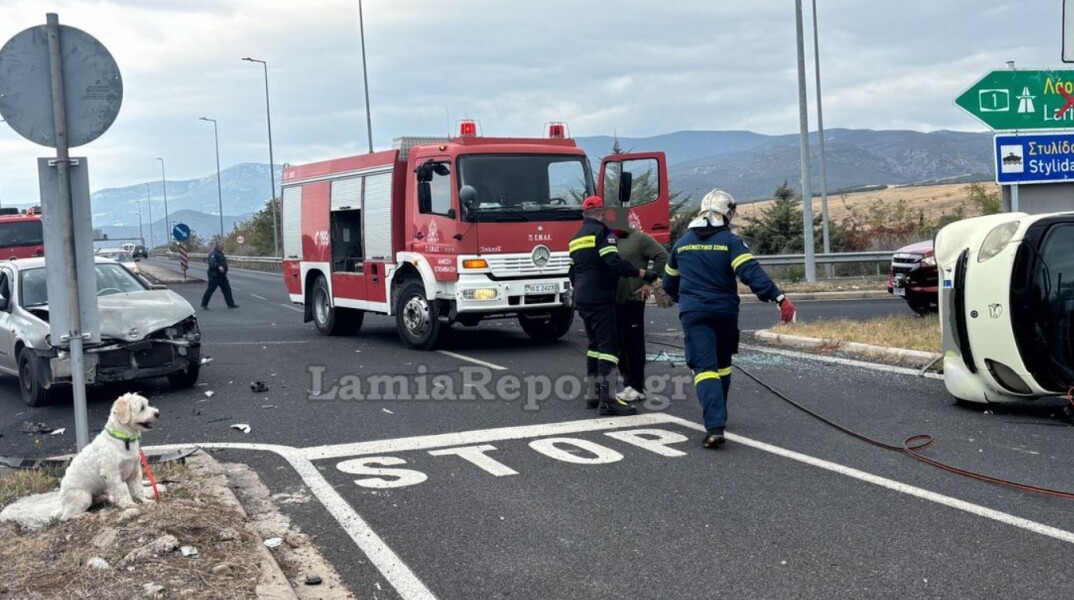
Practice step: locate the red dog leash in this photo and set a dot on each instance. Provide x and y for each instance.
(152, 480)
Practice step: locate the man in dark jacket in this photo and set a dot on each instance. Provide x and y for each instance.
(637, 248)
(595, 271)
(217, 276)
(700, 276)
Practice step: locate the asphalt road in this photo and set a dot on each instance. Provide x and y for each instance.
(567, 505)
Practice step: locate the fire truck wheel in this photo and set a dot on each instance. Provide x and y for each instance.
(549, 329)
(331, 320)
(417, 318)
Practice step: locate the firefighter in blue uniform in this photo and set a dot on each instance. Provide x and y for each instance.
(595, 271)
(700, 276)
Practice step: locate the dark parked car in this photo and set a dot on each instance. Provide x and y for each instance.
(140, 252)
(913, 276)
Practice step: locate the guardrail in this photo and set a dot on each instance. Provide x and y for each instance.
(881, 258)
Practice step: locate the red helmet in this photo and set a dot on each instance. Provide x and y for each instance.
(592, 202)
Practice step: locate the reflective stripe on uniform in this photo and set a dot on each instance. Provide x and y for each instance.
(724, 372)
(704, 375)
(608, 358)
(742, 258)
(670, 271)
(608, 250)
(586, 241)
(593, 354)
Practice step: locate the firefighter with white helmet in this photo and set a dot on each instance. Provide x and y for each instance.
(701, 276)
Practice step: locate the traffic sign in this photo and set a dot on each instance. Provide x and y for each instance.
(1008, 100)
(1040, 158)
(240, 240)
(181, 232)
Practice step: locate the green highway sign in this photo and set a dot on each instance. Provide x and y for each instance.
(1013, 99)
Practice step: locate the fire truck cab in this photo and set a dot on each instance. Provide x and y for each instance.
(21, 236)
(442, 231)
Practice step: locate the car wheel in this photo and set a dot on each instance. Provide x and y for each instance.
(416, 318)
(329, 319)
(185, 379)
(549, 329)
(30, 373)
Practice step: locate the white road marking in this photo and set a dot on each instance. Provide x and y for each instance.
(473, 360)
(259, 297)
(846, 362)
(294, 308)
(409, 586)
(904, 488)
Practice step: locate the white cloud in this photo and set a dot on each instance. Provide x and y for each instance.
(635, 67)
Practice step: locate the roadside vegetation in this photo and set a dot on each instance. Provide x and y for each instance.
(898, 331)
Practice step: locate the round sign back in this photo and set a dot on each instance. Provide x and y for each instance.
(93, 87)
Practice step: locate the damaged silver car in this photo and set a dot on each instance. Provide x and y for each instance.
(146, 331)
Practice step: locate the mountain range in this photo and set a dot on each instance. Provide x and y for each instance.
(748, 165)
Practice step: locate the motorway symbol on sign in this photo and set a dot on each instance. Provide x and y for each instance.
(1022, 100)
(1040, 158)
(181, 232)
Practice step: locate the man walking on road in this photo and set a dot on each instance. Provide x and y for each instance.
(595, 270)
(637, 248)
(218, 278)
(700, 276)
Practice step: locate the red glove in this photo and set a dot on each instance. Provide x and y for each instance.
(786, 310)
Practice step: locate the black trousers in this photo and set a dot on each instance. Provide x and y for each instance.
(218, 280)
(602, 356)
(631, 317)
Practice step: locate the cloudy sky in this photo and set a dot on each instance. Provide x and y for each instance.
(632, 67)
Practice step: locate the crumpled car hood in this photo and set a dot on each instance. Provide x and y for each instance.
(146, 311)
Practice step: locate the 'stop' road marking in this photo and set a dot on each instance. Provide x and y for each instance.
(473, 360)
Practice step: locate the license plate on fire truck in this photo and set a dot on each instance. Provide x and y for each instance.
(542, 288)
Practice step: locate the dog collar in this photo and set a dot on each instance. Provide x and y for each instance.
(126, 438)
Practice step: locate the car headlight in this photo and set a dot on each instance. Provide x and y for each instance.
(996, 240)
(928, 261)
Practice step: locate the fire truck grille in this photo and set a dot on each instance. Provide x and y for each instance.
(518, 266)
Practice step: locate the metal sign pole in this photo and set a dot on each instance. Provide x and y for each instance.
(1014, 197)
(74, 336)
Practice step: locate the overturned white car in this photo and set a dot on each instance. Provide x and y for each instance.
(146, 331)
(1007, 306)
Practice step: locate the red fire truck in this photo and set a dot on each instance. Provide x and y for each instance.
(442, 231)
(21, 236)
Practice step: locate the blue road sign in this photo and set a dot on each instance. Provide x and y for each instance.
(181, 232)
(1042, 158)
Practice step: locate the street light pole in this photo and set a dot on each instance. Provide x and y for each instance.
(803, 122)
(365, 79)
(272, 163)
(141, 234)
(219, 188)
(820, 135)
(167, 221)
(149, 204)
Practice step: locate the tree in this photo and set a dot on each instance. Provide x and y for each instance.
(986, 202)
(257, 231)
(778, 229)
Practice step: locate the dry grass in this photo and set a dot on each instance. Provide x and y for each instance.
(15, 484)
(934, 200)
(831, 285)
(899, 331)
(49, 563)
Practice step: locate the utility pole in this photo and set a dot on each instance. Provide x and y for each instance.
(365, 78)
(803, 121)
(167, 219)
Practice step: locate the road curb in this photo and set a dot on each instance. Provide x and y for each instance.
(899, 354)
(854, 295)
(163, 275)
(273, 584)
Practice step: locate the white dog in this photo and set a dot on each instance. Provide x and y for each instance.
(110, 466)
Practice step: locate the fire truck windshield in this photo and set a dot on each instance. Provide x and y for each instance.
(525, 187)
(22, 232)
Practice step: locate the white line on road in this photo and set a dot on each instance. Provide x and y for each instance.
(259, 297)
(473, 360)
(258, 343)
(294, 308)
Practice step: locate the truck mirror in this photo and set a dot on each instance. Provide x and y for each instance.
(441, 169)
(424, 171)
(626, 182)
